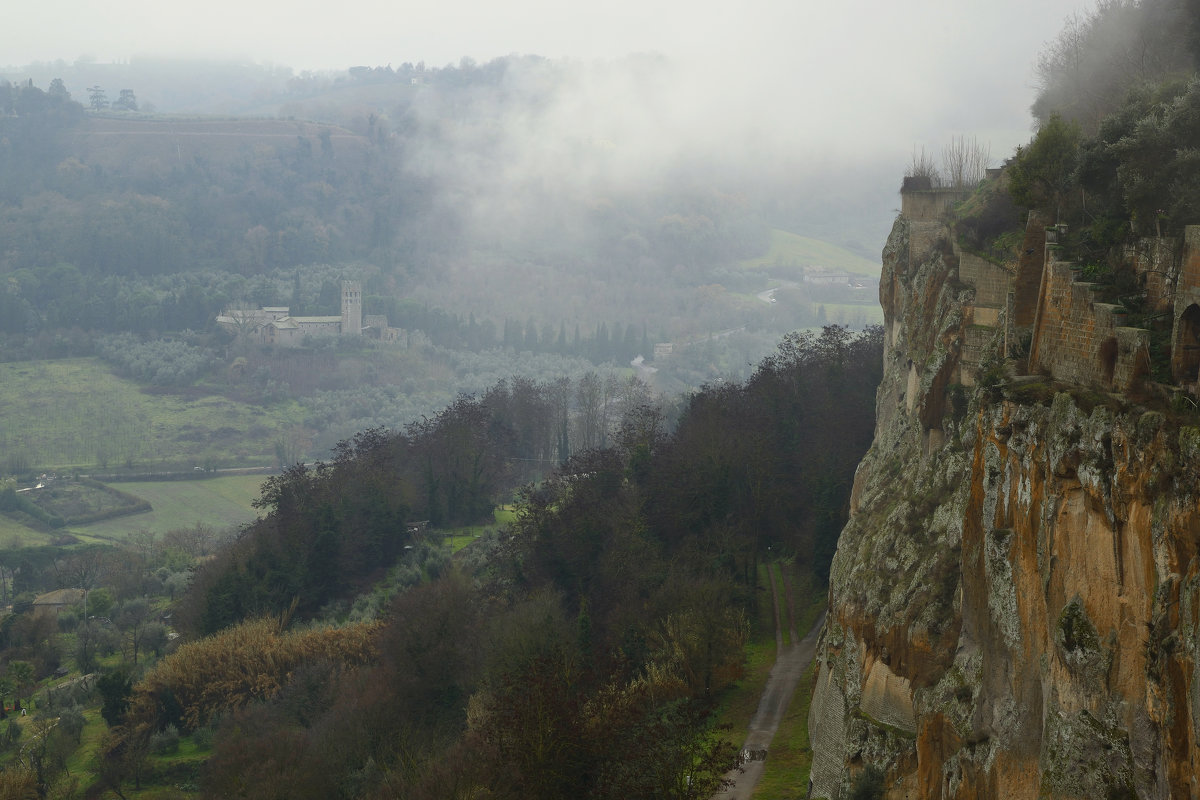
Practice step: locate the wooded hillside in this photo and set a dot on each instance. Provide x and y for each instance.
(578, 653)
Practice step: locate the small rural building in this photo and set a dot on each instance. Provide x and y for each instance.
(819, 276)
(53, 603)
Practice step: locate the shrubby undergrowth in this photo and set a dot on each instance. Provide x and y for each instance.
(159, 362)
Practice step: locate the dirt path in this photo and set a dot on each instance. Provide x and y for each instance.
(790, 664)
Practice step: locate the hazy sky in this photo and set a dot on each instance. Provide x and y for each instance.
(930, 54)
(305, 34)
(831, 84)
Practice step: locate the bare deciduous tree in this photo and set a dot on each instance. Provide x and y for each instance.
(965, 161)
(923, 165)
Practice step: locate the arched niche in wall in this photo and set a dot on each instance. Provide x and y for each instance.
(1108, 360)
(1185, 356)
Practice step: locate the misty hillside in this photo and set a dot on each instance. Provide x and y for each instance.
(458, 184)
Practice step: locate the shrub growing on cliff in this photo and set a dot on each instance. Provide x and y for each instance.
(868, 784)
(1041, 174)
(991, 224)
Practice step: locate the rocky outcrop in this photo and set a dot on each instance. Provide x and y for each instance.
(1015, 602)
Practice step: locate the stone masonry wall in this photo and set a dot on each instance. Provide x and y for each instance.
(974, 343)
(1155, 260)
(929, 204)
(1133, 357)
(1184, 356)
(923, 236)
(1030, 263)
(1079, 340)
(992, 282)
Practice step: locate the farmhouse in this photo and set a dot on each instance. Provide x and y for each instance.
(820, 276)
(53, 603)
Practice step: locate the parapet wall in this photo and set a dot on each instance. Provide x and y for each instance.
(929, 204)
(1155, 261)
(992, 282)
(923, 236)
(1079, 340)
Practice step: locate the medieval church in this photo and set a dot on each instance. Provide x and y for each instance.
(275, 325)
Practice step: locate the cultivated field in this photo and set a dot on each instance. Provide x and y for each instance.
(790, 249)
(853, 314)
(218, 502)
(74, 413)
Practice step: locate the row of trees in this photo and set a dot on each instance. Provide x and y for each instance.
(98, 98)
(334, 527)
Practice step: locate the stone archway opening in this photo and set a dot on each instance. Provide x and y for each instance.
(1108, 360)
(1185, 360)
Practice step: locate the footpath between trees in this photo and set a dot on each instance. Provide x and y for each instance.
(791, 662)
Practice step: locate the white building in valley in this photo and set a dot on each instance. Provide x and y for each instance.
(275, 325)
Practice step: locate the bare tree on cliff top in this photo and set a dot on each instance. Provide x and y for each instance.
(923, 165)
(965, 161)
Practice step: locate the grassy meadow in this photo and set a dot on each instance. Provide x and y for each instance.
(75, 413)
(852, 314)
(795, 250)
(13, 534)
(218, 502)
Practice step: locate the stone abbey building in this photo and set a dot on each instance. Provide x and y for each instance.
(276, 325)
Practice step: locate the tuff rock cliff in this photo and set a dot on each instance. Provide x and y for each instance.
(1015, 602)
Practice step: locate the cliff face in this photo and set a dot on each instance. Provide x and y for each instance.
(1015, 602)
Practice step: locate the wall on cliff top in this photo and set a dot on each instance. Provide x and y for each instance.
(1015, 602)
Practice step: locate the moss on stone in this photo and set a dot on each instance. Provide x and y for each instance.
(1076, 633)
(1080, 645)
(1084, 757)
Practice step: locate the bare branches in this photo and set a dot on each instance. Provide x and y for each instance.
(964, 164)
(965, 161)
(923, 165)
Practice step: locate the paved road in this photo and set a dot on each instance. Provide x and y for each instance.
(790, 665)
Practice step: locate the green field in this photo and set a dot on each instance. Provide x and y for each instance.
(218, 502)
(852, 314)
(76, 413)
(458, 538)
(790, 249)
(14, 534)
